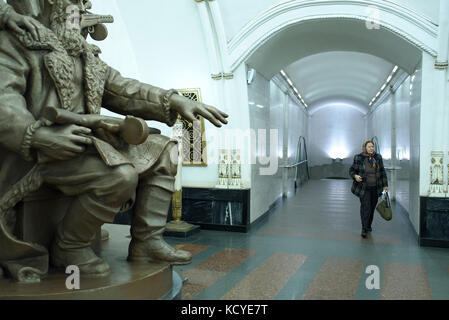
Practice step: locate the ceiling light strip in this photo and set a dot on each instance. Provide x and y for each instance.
(384, 86)
(292, 86)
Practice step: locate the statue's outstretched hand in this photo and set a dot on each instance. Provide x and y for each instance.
(20, 24)
(189, 109)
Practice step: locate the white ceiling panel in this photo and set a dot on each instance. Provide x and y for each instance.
(339, 76)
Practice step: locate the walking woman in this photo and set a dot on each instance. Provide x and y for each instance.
(370, 179)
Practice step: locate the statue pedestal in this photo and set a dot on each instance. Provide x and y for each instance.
(127, 281)
(180, 229)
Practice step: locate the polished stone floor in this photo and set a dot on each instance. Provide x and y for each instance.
(310, 247)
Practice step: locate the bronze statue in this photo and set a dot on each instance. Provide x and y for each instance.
(16, 22)
(45, 66)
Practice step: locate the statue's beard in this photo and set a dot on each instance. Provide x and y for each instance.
(71, 39)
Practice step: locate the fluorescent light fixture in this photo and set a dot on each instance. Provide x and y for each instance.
(260, 106)
(298, 95)
(384, 86)
(251, 103)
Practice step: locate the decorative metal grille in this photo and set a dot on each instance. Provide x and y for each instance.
(194, 137)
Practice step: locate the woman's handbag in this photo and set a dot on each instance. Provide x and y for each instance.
(384, 207)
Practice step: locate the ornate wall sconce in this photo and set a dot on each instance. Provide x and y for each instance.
(437, 174)
(223, 169)
(236, 170)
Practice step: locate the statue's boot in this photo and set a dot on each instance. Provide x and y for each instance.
(72, 242)
(149, 220)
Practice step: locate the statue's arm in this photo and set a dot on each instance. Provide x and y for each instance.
(15, 119)
(131, 97)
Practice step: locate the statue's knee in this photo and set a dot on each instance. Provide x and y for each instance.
(127, 176)
(125, 183)
(169, 159)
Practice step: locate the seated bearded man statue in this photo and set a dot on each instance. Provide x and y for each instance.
(58, 68)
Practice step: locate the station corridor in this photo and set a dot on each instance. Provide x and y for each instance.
(310, 247)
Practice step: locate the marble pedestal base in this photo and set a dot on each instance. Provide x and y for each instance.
(127, 281)
(181, 229)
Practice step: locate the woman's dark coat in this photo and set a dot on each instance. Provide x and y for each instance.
(358, 168)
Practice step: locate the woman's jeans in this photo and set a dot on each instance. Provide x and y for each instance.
(368, 205)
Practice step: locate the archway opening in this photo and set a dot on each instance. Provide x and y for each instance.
(338, 66)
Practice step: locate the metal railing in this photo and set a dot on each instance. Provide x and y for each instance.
(294, 165)
(302, 161)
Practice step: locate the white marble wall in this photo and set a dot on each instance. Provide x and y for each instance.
(268, 104)
(402, 102)
(264, 189)
(415, 132)
(407, 101)
(336, 131)
(379, 125)
(434, 121)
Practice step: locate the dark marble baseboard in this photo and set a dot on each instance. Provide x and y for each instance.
(434, 222)
(217, 209)
(214, 209)
(182, 234)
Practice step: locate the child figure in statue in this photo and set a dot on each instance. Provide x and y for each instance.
(11, 20)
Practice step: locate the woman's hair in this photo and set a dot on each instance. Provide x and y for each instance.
(366, 143)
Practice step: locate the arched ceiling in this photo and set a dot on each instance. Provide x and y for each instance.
(336, 60)
(309, 38)
(339, 76)
(237, 13)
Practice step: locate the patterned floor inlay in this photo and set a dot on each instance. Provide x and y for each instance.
(405, 282)
(209, 271)
(351, 236)
(267, 280)
(194, 249)
(337, 279)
